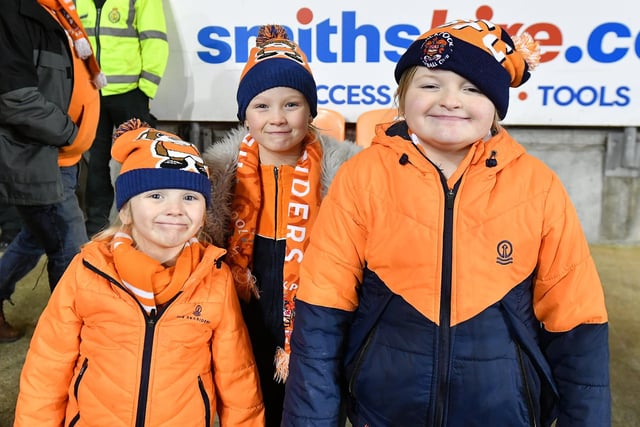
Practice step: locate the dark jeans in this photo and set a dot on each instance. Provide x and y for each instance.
(55, 230)
(10, 222)
(114, 110)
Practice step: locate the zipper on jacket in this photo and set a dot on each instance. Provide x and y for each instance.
(75, 420)
(147, 352)
(76, 386)
(97, 35)
(275, 207)
(527, 390)
(274, 264)
(443, 364)
(207, 406)
(361, 356)
(275, 307)
(151, 320)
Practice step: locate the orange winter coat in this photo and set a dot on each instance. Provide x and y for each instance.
(467, 301)
(98, 359)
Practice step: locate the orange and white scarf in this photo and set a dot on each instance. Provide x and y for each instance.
(148, 280)
(64, 11)
(304, 198)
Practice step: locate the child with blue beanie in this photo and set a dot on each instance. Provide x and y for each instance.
(448, 281)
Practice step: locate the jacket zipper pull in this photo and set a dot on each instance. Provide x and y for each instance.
(151, 320)
(450, 197)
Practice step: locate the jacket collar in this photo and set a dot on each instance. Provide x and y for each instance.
(501, 147)
(222, 157)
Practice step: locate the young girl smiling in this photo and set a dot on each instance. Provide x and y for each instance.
(145, 326)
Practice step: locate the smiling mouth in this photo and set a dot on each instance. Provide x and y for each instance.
(443, 117)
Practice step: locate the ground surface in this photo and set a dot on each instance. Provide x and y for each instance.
(619, 268)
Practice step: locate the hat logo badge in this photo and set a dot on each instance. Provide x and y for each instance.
(173, 153)
(436, 50)
(283, 48)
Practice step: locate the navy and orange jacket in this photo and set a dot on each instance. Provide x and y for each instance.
(98, 359)
(472, 301)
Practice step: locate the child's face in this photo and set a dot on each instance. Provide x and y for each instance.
(446, 111)
(278, 119)
(163, 220)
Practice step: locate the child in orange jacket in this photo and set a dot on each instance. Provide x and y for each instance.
(448, 282)
(145, 327)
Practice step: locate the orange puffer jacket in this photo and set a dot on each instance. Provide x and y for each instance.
(460, 302)
(98, 359)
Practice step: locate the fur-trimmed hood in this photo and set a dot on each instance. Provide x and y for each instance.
(222, 156)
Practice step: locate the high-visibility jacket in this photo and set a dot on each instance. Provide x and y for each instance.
(129, 38)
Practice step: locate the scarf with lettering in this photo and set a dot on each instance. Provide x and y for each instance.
(64, 11)
(304, 197)
(150, 282)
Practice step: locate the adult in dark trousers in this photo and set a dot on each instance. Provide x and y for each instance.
(49, 107)
(130, 42)
(10, 225)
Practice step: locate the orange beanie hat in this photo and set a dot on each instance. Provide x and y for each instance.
(153, 159)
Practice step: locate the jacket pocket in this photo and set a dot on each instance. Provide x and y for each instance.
(529, 351)
(55, 74)
(76, 387)
(206, 401)
(53, 60)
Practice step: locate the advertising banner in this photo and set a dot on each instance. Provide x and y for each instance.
(589, 73)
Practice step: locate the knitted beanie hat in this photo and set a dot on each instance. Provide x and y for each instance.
(275, 61)
(479, 51)
(153, 159)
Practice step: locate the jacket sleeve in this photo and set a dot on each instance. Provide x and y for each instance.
(569, 302)
(49, 366)
(152, 31)
(326, 300)
(235, 372)
(23, 108)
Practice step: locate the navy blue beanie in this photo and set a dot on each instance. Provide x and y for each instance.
(276, 61)
(479, 51)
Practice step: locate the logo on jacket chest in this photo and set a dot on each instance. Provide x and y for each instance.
(195, 315)
(505, 252)
(114, 15)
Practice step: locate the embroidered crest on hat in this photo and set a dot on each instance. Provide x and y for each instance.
(436, 49)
